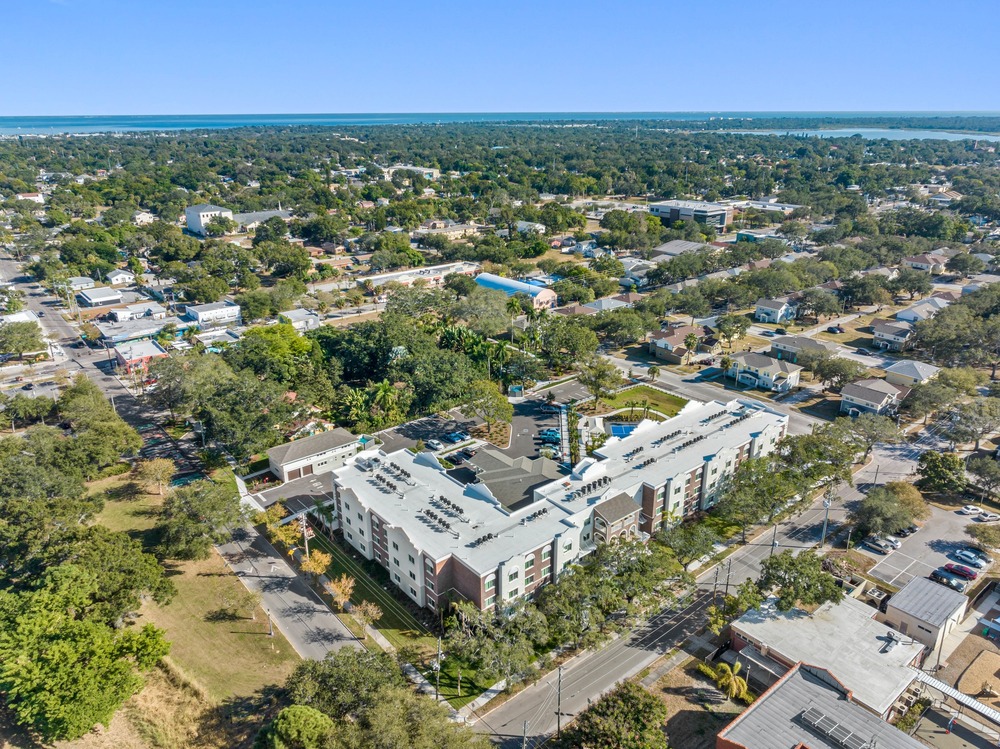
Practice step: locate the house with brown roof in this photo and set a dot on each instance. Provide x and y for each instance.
(872, 396)
(669, 345)
(926, 262)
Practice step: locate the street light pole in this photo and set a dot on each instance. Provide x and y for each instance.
(270, 623)
(774, 540)
(524, 736)
(559, 706)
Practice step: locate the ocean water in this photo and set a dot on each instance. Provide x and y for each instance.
(163, 123)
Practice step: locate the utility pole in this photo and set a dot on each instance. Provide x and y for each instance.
(524, 736)
(270, 623)
(729, 570)
(715, 585)
(826, 518)
(559, 706)
(774, 540)
(305, 533)
(437, 673)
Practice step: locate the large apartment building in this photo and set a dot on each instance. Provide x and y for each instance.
(497, 529)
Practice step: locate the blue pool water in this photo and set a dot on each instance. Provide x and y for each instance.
(622, 430)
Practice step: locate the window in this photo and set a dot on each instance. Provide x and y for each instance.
(529, 563)
(491, 583)
(529, 580)
(512, 576)
(347, 507)
(363, 547)
(677, 489)
(396, 577)
(430, 585)
(568, 546)
(546, 571)
(413, 575)
(361, 533)
(413, 592)
(491, 600)
(395, 546)
(350, 536)
(348, 520)
(360, 516)
(412, 560)
(395, 561)
(546, 554)
(514, 593)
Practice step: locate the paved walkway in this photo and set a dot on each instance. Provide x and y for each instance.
(305, 621)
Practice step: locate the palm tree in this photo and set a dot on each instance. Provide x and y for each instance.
(726, 363)
(691, 344)
(729, 681)
(653, 371)
(631, 407)
(514, 309)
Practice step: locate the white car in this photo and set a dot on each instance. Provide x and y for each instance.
(969, 510)
(892, 541)
(988, 517)
(434, 444)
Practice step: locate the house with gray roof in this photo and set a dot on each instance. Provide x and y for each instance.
(811, 707)
(909, 373)
(871, 395)
(774, 310)
(790, 347)
(926, 611)
(892, 335)
(764, 372)
(320, 453)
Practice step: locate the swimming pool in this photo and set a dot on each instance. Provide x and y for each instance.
(621, 430)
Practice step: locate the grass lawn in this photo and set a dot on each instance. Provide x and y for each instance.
(223, 657)
(397, 625)
(723, 528)
(659, 400)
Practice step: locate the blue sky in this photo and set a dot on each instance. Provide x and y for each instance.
(329, 56)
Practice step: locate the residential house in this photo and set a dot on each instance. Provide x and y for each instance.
(812, 708)
(635, 272)
(300, 319)
(670, 345)
(530, 227)
(922, 310)
(576, 309)
(431, 275)
(874, 661)
(790, 347)
(445, 228)
(541, 297)
(871, 395)
(944, 199)
(606, 304)
(892, 335)
(980, 281)
(321, 453)
(143, 218)
(676, 247)
(909, 373)
(99, 297)
(925, 262)
(120, 277)
(764, 372)
(198, 216)
(147, 310)
(214, 314)
(80, 283)
(34, 197)
(630, 298)
(774, 310)
(925, 610)
(136, 356)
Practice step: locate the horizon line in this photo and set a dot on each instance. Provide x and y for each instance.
(862, 112)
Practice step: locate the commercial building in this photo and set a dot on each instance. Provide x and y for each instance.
(99, 297)
(214, 314)
(713, 214)
(499, 528)
(432, 275)
(676, 247)
(925, 611)
(811, 708)
(198, 216)
(132, 357)
(320, 453)
(872, 660)
(143, 327)
(249, 221)
(541, 297)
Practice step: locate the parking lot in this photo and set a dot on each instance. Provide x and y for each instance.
(924, 551)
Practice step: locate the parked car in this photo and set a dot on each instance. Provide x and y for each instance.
(987, 517)
(892, 541)
(551, 439)
(946, 578)
(456, 437)
(835, 329)
(550, 408)
(28, 386)
(769, 334)
(969, 558)
(468, 453)
(962, 571)
(878, 545)
(909, 531)
(780, 331)
(434, 444)
(979, 553)
(969, 510)
(41, 313)
(549, 433)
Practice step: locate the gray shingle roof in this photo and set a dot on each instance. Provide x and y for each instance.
(927, 601)
(915, 369)
(307, 446)
(617, 508)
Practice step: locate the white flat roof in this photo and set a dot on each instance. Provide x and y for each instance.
(844, 638)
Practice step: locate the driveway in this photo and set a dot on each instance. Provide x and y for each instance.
(528, 422)
(925, 550)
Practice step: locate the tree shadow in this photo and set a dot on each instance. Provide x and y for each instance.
(239, 719)
(222, 615)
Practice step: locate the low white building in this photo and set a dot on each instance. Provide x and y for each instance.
(143, 218)
(530, 227)
(199, 215)
(34, 197)
(99, 297)
(926, 611)
(120, 277)
(774, 310)
(79, 283)
(214, 314)
(147, 310)
(300, 319)
(320, 453)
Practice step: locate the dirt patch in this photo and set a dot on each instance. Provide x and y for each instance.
(982, 679)
(963, 656)
(697, 710)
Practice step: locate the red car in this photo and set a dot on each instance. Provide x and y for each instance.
(962, 571)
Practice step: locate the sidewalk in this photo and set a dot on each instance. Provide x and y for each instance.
(305, 621)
